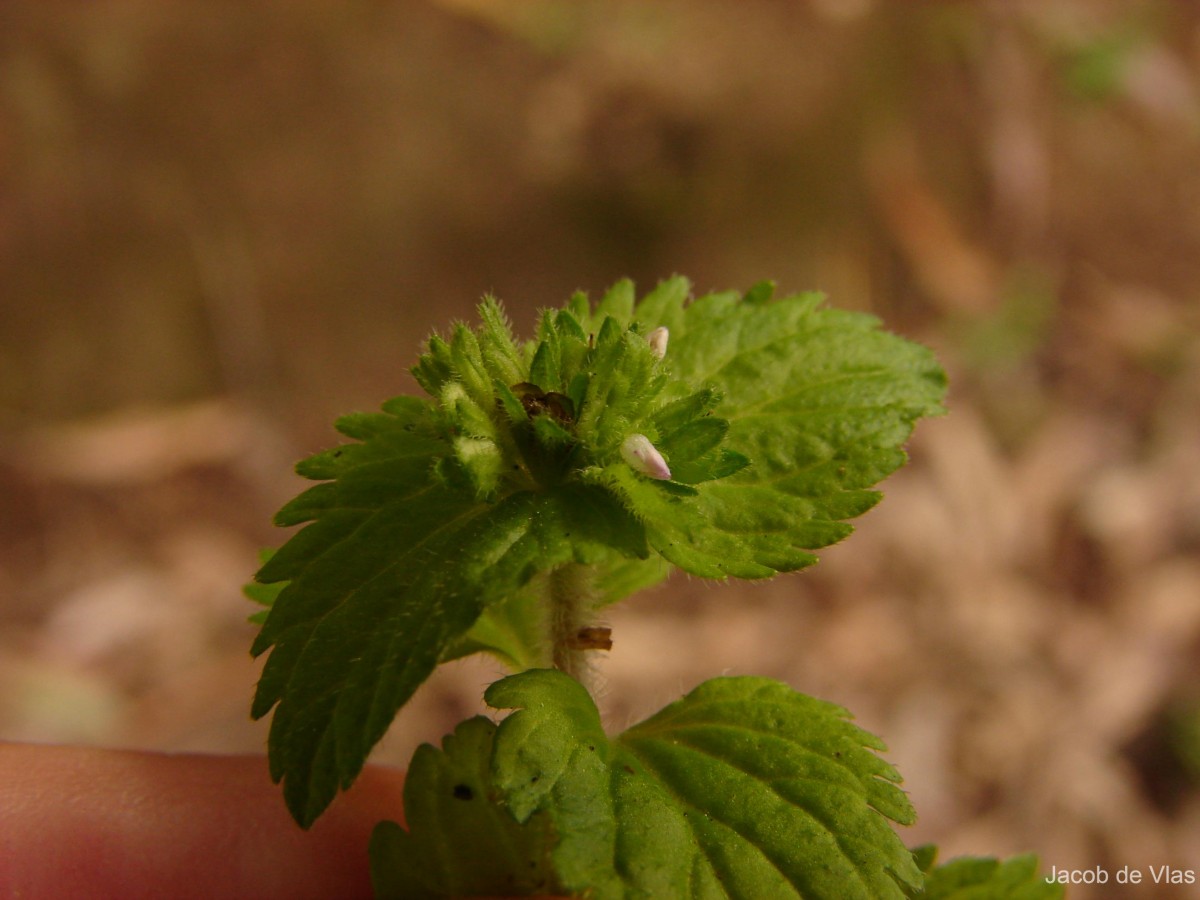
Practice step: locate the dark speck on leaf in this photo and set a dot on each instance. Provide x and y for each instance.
(534, 779)
(628, 769)
(462, 792)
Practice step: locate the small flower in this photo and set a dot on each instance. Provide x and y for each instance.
(644, 458)
(658, 340)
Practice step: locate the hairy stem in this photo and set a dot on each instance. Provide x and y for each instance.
(572, 602)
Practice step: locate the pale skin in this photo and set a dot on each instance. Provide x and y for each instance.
(82, 822)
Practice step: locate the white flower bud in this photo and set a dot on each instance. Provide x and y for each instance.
(643, 457)
(658, 340)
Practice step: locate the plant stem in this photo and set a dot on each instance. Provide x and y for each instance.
(571, 604)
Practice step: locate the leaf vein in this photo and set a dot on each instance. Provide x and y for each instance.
(768, 783)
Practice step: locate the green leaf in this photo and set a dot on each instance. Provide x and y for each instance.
(744, 788)
(262, 594)
(663, 306)
(461, 842)
(623, 389)
(361, 626)
(396, 568)
(623, 577)
(818, 401)
(512, 630)
(980, 878)
(617, 302)
(502, 358)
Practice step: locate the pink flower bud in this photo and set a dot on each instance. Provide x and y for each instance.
(644, 458)
(658, 340)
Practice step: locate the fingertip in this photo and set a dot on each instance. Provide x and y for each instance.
(106, 823)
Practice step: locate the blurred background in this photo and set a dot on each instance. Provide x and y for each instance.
(223, 224)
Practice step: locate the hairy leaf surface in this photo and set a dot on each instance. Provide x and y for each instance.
(744, 788)
(818, 401)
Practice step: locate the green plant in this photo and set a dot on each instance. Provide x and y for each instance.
(541, 481)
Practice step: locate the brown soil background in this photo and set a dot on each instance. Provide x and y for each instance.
(223, 224)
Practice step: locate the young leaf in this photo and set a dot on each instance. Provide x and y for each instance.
(980, 878)
(358, 628)
(819, 401)
(744, 788)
